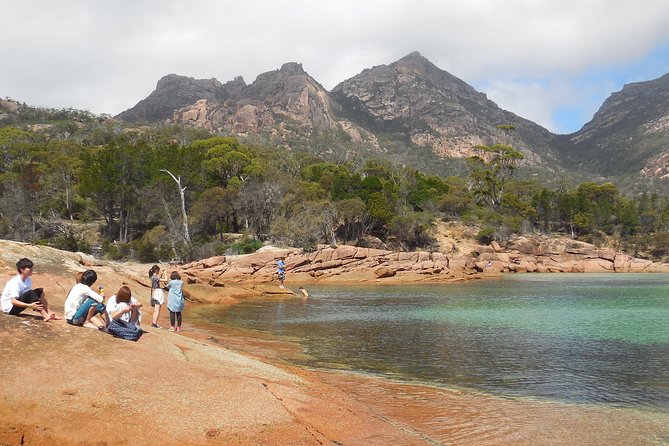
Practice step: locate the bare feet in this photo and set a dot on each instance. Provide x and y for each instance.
(90, 325)
(52, 317)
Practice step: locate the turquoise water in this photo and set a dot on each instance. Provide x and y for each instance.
(583, 338)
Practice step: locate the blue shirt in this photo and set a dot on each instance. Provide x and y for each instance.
(280, 266)
(175, 298)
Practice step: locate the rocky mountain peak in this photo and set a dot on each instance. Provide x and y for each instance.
(636, 116)
(414, 62)
(173, 92)
(275, 98)
(432, 108)
(412, 102)
(292, 69)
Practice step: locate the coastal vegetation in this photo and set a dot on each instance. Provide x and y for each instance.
(61, 169)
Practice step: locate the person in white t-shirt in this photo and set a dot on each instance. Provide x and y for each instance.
(83, 305)
(18, 293)
(122, 306)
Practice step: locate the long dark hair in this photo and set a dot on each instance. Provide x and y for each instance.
(153, 270)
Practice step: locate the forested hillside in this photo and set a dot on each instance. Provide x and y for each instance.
(63, 168)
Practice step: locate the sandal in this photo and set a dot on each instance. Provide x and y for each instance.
(156, 326)
(172, 329)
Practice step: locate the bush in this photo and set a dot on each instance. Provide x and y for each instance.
(302, 230)
(71, 242)
(410, 230)
(486, 235)
(145, 251)
(115, 251)
(245, 247)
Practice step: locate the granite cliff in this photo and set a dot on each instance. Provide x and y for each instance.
(274, 100)
(173, 92)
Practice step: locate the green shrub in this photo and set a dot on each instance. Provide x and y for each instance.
(71, 242)
(486, 235)
(114, 251)
(145, 252)
(245, 247)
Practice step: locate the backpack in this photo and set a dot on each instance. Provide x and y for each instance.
(124, 330)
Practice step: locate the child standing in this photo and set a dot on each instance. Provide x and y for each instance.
(157, 296)
(281, 271)
(175, 300)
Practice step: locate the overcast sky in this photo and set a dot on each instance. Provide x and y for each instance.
(551, 61)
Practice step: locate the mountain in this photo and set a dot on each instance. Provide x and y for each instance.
(173, 92)
(411, 103)
(418, 114)
(416, 101)
(285, 96)
(628, 134)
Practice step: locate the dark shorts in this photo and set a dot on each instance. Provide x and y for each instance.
(282, 275)
(80, 315)
(29, 297)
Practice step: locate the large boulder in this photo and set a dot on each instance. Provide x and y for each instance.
(384, 271)
(526, 245)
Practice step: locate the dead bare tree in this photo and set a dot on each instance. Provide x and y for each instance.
(184, 216)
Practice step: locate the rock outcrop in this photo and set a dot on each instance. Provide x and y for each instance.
(350, 264)
(173, 92)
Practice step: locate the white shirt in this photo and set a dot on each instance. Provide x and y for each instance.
(113, 307)
(77, 296)
(14, 288)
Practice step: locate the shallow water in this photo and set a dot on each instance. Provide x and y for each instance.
(579, 338)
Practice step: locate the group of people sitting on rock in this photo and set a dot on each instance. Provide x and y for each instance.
(120, 315)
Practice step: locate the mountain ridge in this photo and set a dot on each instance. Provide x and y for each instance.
(412, 103)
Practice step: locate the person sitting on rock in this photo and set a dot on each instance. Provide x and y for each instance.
(19, 295)
(122, 306)
(124, 315)
(83, 306)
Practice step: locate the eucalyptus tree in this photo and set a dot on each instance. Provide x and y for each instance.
(490, 170)
(110, 177)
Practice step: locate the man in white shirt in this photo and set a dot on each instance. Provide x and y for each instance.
(19, 295)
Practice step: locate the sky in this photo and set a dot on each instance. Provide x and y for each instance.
(551, 61)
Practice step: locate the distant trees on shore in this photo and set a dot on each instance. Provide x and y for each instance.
(93, 169)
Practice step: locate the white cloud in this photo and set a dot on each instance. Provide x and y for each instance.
(106, 56)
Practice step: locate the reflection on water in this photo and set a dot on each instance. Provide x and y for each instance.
(577, 338)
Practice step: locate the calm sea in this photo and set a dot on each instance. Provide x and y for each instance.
(580, 338)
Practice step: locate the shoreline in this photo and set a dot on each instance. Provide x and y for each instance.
(223, 386)
(416, 405)
(243, 338)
